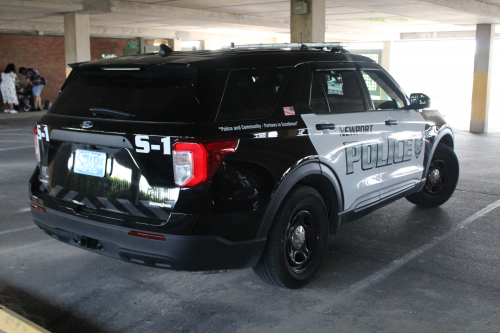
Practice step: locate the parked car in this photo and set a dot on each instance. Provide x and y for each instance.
(245, 157)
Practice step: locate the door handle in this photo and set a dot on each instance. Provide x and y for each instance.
(321, 127)
(391, 122)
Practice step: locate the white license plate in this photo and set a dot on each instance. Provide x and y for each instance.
(90, 163)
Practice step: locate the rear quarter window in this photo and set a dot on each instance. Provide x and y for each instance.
(252, 93)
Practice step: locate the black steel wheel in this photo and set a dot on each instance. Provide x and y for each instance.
(441, 181)
(297, 240)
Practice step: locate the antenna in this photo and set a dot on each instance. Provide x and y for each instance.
(301, 37)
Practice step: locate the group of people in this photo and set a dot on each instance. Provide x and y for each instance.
(10, 81)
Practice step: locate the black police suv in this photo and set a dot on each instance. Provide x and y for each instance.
(245, 157)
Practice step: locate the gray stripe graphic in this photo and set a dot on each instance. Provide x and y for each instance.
(87, 203)
(107, 204)
(157, 211)
(131, 208)
(55, 190)
(70, 196)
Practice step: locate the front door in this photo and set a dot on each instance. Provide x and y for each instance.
(402, 158)
(345, 132)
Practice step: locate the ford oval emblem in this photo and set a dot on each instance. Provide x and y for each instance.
(86, 124)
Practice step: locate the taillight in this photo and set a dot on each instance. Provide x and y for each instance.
(37, 147)
(197, 161)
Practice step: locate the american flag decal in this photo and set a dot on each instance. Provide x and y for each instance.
(289, 111)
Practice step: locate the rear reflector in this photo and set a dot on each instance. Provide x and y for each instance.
(37, 148)
(38, 208)
(147, 235)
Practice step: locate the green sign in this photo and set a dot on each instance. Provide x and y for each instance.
(132, 44)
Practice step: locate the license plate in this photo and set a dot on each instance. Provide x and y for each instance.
(90, 163)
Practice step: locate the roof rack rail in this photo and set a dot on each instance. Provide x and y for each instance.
(335, 47)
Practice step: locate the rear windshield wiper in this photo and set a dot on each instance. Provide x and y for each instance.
(110, 113)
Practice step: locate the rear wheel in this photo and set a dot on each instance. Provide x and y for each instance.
(441, 180)
(297, 240)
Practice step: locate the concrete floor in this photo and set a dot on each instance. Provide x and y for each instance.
(400, 269)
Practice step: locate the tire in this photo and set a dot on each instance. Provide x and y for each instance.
(291, 261)
(442, 179)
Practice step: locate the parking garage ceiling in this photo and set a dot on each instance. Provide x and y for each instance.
(261, 19)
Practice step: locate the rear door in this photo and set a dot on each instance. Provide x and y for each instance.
(344, 131)
(401, 165)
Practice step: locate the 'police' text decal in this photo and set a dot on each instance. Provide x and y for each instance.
(145, 144)
(372, 155)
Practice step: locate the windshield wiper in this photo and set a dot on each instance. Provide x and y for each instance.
(110, 113)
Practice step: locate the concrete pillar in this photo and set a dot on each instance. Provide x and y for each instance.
(311, 25)
(76, 38)
(386, 55)
(142, 44)
(175, 44)
(483, 62)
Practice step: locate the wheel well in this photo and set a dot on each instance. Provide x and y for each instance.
(447, 140)
(327, 191)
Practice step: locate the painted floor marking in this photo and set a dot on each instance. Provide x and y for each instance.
(11, 141)
(27, 246)
(11, 130)
(399, 263)
(16, 134)
(16, 148)
(16, 230)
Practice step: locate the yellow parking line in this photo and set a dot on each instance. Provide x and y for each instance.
(11, 322)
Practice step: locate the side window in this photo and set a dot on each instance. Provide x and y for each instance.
(318, 99)
(252, 93)
(383, 96)
(342, 91)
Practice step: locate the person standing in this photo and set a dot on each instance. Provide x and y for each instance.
(33, 78)
(8, 88)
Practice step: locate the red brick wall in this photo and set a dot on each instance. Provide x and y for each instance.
(46, 53)
(100, 46)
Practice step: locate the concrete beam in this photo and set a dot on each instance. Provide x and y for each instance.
(60, 6)
(358, 34)
(7, 26)
(469, 6)
(440, 35)
(175, 14)
(193, 35)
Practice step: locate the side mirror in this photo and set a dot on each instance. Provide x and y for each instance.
(420, 101)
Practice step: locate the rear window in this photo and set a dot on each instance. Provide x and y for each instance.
(159, 93)
(252, 93)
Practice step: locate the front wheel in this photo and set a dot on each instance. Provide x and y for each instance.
(297, 240)
(441, 181)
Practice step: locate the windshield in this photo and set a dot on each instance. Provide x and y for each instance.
(156, 93)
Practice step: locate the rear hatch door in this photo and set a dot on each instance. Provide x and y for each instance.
(111, 130)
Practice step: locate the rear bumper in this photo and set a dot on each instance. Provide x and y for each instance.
(186, 253)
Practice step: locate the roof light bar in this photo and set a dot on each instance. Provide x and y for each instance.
(336, 45)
